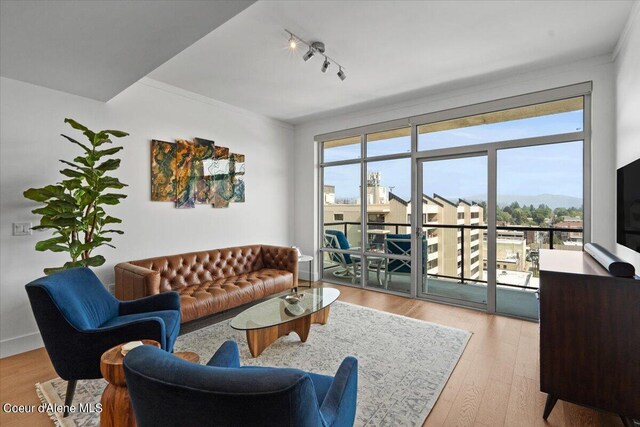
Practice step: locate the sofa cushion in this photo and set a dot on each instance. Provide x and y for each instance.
(224, 293)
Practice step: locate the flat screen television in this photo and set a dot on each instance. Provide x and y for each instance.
(628, 228)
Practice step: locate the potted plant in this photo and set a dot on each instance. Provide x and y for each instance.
(74, 208)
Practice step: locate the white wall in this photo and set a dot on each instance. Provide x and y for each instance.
(627, 75)
(599, 70)
(30, 146)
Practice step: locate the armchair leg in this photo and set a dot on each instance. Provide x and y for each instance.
(68, 398)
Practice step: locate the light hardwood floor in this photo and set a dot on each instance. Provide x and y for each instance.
(496, 381)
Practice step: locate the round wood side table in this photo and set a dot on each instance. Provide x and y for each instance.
(116, 405)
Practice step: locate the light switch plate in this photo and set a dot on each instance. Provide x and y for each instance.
(22, 229)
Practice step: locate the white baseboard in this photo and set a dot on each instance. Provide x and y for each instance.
(20, 344)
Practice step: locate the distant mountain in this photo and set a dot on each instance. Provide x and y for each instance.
(551, 200)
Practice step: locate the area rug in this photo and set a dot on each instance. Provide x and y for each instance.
(403, 363)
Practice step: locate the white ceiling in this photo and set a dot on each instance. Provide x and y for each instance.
(97, 49)
(390, 49)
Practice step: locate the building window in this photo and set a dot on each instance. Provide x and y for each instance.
(338, 217)
(460, 215)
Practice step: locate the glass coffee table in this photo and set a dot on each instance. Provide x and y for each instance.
(264, 323)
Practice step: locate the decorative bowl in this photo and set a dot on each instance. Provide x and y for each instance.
(293, 298)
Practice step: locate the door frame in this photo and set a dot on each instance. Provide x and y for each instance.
(420, 161)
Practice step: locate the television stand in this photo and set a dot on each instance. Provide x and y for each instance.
(589, 335)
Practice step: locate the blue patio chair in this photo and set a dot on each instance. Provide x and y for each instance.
(400, 244)
(349, 265)
(79, 320)
(170, 392)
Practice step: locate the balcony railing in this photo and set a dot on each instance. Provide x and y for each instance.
(430, 231)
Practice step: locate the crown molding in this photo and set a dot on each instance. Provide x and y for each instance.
(634, 15)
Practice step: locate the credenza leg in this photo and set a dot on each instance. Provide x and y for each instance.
(627, 421)
(548, 406)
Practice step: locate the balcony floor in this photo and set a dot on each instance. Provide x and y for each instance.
(510, 301)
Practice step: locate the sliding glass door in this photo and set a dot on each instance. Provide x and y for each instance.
(453, 229)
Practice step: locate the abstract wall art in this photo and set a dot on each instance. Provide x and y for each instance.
(196, 172)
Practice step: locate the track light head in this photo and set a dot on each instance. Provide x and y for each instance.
(341, 74)
(307, 56)
(325, 65)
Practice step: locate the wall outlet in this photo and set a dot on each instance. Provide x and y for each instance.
(22, 229)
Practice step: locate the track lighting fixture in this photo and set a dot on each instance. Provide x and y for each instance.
(325, 65)
(315, 48)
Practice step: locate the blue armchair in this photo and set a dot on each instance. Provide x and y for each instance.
(169, 391)
(79, 320)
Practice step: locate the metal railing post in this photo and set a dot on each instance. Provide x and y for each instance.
(551, 239)
(461, 255)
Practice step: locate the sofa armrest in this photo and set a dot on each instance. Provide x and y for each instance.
(227, 356)
(281, 258)
(339, 405)
(159, 302)
(133, 282)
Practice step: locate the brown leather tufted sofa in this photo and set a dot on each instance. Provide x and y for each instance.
(211, 281)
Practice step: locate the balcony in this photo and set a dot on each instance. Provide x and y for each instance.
(517, 262)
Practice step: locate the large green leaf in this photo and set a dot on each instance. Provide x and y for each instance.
(76, 125)
(88, 133)
(71, 173)
(108, 151)
(94, 261)
(116, 133)
(110, 199)
(53, 270)
(108, 165)
(72, 184)
(87, 149)
(86, 161)
(54, 244)
(103, 135)
(109, 182)
(112, 231)
(36, 194)
(45, 211)
(111, 220)
(63, 205)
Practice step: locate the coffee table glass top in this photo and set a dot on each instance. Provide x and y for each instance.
(276, 310)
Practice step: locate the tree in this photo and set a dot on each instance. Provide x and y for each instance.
(74, 207)
(561, 212)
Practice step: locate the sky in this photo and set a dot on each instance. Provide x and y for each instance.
(547, 169)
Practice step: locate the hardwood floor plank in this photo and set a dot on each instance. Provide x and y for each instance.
(521, 409)
(492, 408)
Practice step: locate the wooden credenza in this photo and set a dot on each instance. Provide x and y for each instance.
(589, 335)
